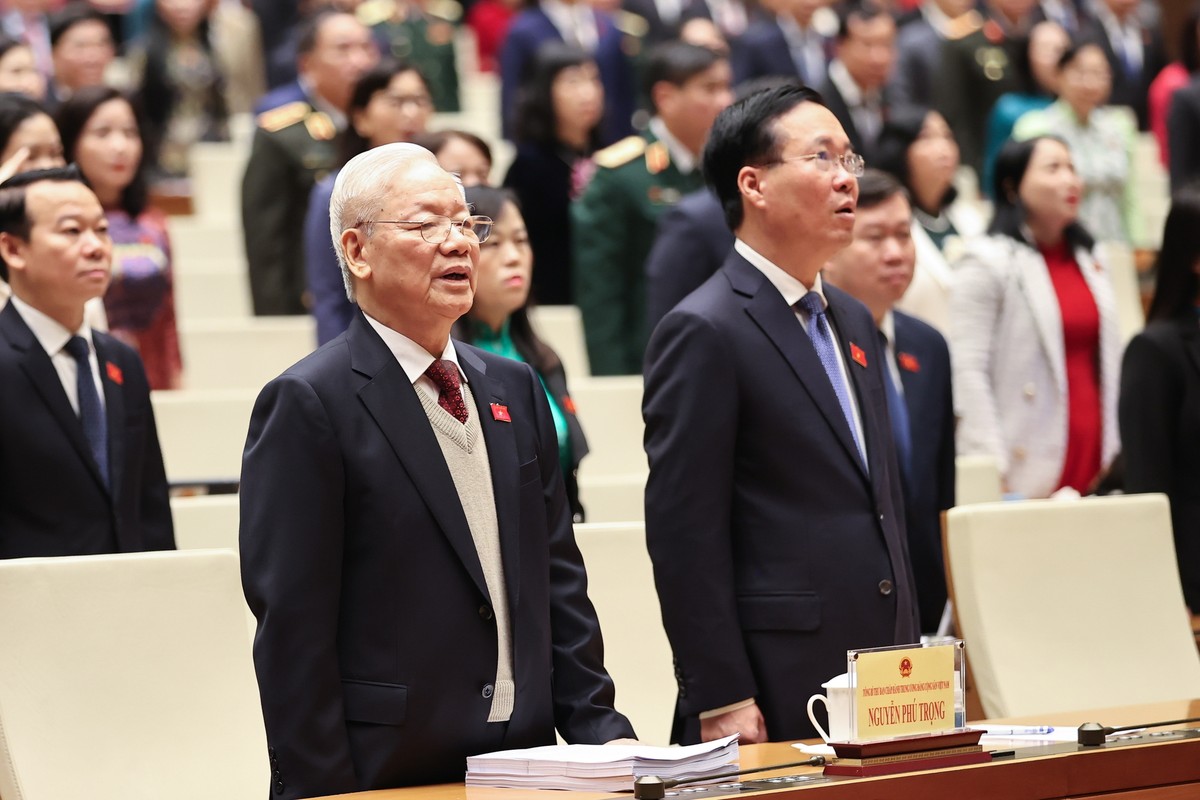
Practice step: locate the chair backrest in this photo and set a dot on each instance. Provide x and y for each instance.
(128, 677)
(636, 651)
(561, 327)
(1118, 258)
(203, 433)
(242, 353)
(614, 498)
(204, 292)
(977, 480)
(206, 522)
(610, 411)
(1071, 604)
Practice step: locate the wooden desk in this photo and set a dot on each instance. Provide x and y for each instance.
(1162, 770)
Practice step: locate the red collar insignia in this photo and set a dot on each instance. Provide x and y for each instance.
(114, 373)
(500, 413)
(909, 362)
(857, 355)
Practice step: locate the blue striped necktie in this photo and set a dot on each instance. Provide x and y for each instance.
(822, 339)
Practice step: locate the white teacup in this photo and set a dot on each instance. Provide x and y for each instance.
(837, 704)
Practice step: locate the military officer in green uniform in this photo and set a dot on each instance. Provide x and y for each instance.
(293, 148)
(420, 32)
(980, 62)
(613, 222)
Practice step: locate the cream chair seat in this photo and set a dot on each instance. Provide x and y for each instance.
(206, 522)
(128, 677)
(1071, 604)
(977, 480)
(242, 353)
(561, 327)
(636, 651)
(203, 433)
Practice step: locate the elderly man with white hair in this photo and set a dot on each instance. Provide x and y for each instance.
(405, 536)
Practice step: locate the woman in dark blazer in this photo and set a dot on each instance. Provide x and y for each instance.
(1159, 409)
(558, 129)
(499, 321)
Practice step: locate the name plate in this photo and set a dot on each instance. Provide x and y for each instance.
(900, 691)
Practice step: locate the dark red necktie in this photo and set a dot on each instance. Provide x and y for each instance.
(444, 373)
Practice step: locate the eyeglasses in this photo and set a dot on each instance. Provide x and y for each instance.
(436, 229)
(853, 163)
(401, 101)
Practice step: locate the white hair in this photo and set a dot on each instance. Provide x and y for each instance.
(360, 191)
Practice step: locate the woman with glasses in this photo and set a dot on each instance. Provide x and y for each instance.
(1036, 351)
(391, 103)
(1101, 138)
(1160, 389)
(499, 321)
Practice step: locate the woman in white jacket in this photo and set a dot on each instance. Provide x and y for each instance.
(1036, 354)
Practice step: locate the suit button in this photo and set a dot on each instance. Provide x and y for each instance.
(1018, 454)
(885, 587)
(279, 787)
(487, 691)
(485, 612)
(271, 752)
(1030, 391)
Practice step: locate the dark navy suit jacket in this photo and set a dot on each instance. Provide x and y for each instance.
(53, 501)
(529, 31)
(924, 362)
(763, 51)
(775, 550)
(281, 96)
(692, 243)
(377, 644)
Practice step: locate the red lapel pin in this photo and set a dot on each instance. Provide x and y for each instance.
(568, 405)
(500, 413)
(909, 362)
(857, 355)
(114, 373)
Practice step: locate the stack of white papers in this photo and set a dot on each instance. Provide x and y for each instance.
(599, 767)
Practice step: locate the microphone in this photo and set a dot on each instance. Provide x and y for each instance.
(1092, 734)
(652, 787)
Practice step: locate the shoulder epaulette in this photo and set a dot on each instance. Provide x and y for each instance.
(372, 12)
(964, 25)
(631, 24)
(320, 126)
(620, 153)
(276, 119)
(447, 10)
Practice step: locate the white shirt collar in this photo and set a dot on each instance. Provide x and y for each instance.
(850, 91)
(888, 327)
(51, 335)
(788, 286)
(683, 159)
(573, 21)
(413, 358)
(937, 19)
(1130, 28)
(335, 114)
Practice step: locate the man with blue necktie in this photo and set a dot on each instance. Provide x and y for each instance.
(80, 468)
(774, 514)
(876, 269)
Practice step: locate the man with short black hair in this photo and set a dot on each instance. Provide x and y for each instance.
(854, 89)
(80, 468)
(613, 222)
(774, 512)
(81, 48)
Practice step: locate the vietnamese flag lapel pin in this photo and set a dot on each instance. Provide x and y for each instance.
(500, 413)
(857, 355)
(114, 373)
(909, 363)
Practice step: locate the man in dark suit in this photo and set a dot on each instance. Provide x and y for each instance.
(691, 244)
(774, 514)
(876, 269)
(80, 467)
(919, 50)
(854, 87)
(405, 535)
(787, 44)
(1135, 52)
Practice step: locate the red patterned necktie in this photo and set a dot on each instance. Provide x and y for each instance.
(444, 373)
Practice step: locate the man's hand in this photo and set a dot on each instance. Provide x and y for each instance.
(747, 720)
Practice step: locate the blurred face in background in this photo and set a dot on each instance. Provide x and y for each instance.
(1047, 42)
(397, 113)
(19, 73)
(689, 110)
(463, 158)
(110, 149)
(183, 17)
(1050, 190)
(1086, 80)
(343, 52)
(869, 50)
(38, 135)
(578, 99)
(505, 269)
(877, 266)
(82, 54)
(932, 161)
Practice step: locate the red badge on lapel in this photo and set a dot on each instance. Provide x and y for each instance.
(568, 405)
(857, 355)
(114, 373)
(909, 362)
(500, 413)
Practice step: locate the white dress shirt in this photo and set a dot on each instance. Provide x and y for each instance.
(53, 338)
(865, 109)
(808, 49)
(414, 359)
(575, 21)
(683, 159)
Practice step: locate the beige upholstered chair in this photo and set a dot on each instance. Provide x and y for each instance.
(561, 327)
(202, 433)
(128, 677)
(1071, 604)
(206, 522)
(636, 651)
(976, 480)
(242, 353)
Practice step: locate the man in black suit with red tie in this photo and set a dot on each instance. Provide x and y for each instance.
(877, 269)
(80, 468)
(405, 534)
(774, 514)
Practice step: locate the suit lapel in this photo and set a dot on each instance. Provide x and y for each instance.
(1043, 303)
(501, 441)
(778, 321)
(392, 402)
(41, 372)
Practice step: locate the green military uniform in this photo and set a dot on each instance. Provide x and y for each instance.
(292, 150)
(613, 225)
(980, 62)
(423, 35)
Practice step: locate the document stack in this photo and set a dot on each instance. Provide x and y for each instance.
(599, 767)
